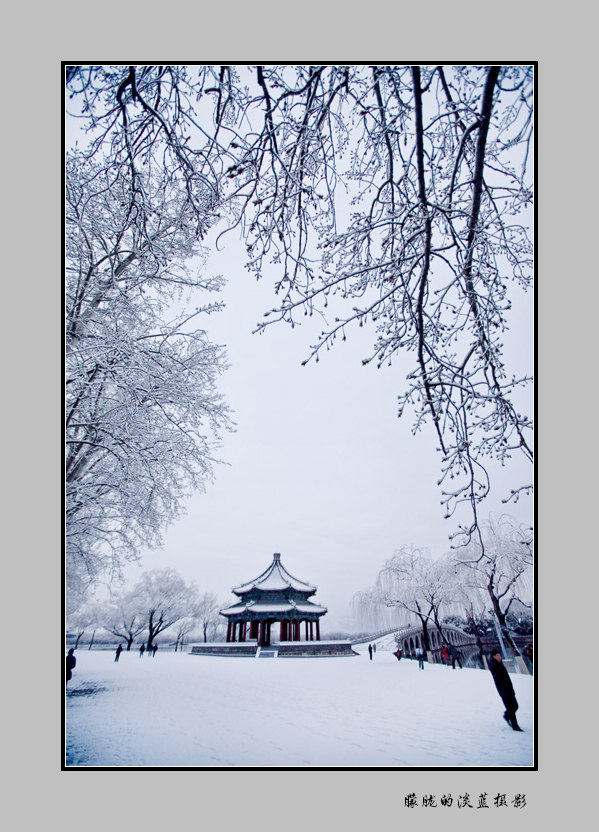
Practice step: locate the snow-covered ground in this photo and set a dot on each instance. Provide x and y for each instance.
(182, 710)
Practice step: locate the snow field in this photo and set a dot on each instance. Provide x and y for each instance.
(179, 710)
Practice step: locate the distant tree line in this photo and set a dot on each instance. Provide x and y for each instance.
(159, 603)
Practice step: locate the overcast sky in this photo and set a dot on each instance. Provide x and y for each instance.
(320, 468)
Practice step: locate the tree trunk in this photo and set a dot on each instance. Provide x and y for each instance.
(150, 631)
(475, 629)
(425, 636)
(503, 626)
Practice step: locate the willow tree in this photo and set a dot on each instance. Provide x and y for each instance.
(497, 572)
(412, 581)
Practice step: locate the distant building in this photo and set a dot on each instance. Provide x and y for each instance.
(274, 599)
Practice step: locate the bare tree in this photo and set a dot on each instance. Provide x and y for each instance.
(137, 119)
(469, 602)
(414, 582)
(182, 629)
(435, 249)
(162, 598)
(77, 622)
(88, 617)
(499, 572)
(124, 619)
(206, 613)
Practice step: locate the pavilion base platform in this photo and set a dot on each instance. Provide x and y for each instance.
(281, 650)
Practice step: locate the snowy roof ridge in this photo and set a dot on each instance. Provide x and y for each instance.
(282, 606)
(274, 577)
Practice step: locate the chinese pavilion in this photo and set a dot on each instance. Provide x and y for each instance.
(273, 598)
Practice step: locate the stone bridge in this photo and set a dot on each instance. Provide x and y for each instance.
(410, 639)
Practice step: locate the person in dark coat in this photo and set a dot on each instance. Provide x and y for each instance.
(456, 656)
(420, 657)
(397, 654)
(154, 650)
(71, 661)
(370, 651)
(119, 650)
(142, 650)
(504, 686)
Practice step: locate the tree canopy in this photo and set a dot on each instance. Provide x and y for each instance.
(394, 197)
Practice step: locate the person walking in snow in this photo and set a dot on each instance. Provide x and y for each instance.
(420, 657)
(154, 650)
(374, 647)
(370, 651)
(397, 654)
(142, 650)
(445, 654)
(505, 689)
(119, 650)
(456, 656)
(70, 663)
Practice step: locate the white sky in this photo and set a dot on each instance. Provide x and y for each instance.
(320, 467)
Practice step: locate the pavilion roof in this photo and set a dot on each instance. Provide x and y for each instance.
(274, 578)
(275, 607)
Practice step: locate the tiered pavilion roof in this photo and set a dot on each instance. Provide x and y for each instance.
(274, 597)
